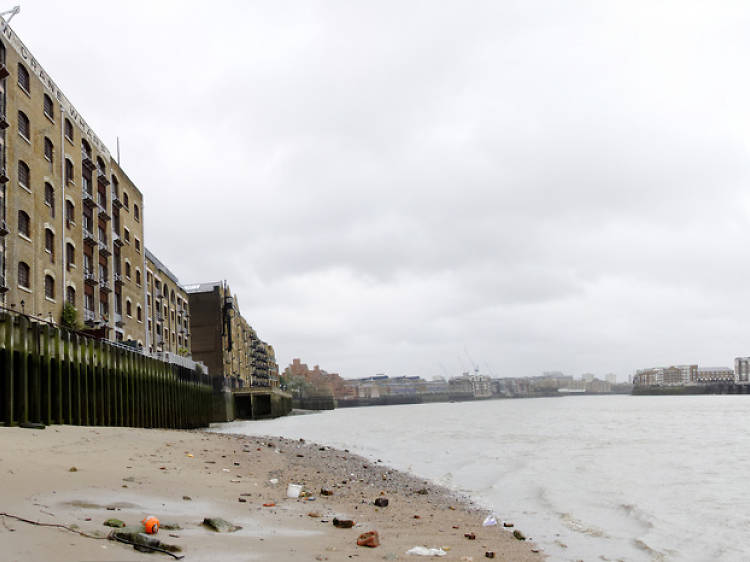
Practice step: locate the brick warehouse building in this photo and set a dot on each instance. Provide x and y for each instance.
(72, 221)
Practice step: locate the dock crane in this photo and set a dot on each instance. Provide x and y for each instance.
(10, 13)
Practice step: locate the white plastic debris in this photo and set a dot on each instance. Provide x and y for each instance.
(424, 551)
(274, 481)
(293, 490)
(490, 520)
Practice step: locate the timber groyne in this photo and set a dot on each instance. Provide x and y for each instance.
(50, 375)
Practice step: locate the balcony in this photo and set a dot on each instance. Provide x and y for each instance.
(116, 240)
(4, 72)
(89, 316)
(118, 279)
(103, 249)
(103, 213)
(102, 178)
(4, 176)
(3, 227)
(116, 203)
(89, 277)
(4, 124)
(88, 199)
(88, 237)
(87, 162)
(104, 286)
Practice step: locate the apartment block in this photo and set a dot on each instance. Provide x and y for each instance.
(71, 220)
(168, 310)
(225, 341)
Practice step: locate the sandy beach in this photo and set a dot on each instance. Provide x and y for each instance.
(81, 476)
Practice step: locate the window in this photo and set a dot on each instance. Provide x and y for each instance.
(24, 224)
(70, 212)
(127, 270)
(24, 125)
(71, 296)
(127, 235)
(49, 287)
(136, 212)
(103, 308)
(137, 245)
(23, 78)
(70, 254)
(125, 199)
(138, 277)
(129, 308)
(49, 107)
(100, 164)
(69, 171)
(69, 130)
(24, 176)
(49, 198)
(23, 275)
(139, 313)
(49, 149)
(49, 243)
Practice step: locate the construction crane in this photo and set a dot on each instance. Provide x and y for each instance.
(10, 13)
(474, 365)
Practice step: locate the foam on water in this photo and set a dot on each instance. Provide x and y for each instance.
(608, 477)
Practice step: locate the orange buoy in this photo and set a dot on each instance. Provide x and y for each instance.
(152, 525)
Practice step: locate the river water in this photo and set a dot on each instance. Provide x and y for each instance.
(586, 477)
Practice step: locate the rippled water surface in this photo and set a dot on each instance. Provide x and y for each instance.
(587, 477)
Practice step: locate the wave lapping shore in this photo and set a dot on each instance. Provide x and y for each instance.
(82, 476)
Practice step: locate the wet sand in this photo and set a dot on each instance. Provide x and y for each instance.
(183, 476)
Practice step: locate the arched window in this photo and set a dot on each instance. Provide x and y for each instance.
(127, 269)
(49, 149)
(70, 254)
(85, 148)
(115, 186)
(24, 125)
(70, 212)
(71, 296)
(24, 175)
(139, 313)
(49, 107)
(49, 242)
(136, 212)
(23, 78)
(138, 277)
(69, 171)
(125, 199)
(129, 308)
(49, 198)
(172, 297)
(100, 164)
(23, 275)
(69, 129)
(49, 287)
(24, 223)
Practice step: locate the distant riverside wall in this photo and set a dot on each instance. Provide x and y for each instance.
(712, 388)
(49, 375)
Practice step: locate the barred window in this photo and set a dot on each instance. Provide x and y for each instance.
(23, 78)
(24, 125)
(24, 175)
(70, 254)
(49, 198)
(69, 171)
(49, 287)
(23, 275)
(49, 107)
(49, 149)
(24, 223)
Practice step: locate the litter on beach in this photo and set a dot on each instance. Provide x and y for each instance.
(490, 520)
(293, 490)
(424, 551)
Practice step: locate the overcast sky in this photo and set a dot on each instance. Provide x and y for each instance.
(388, 185)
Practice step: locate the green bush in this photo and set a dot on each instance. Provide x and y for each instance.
(69, 317)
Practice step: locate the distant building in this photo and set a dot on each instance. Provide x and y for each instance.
(714, 374)
(611, 378)
(742, 370)
(225, 341)
(675, 375)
